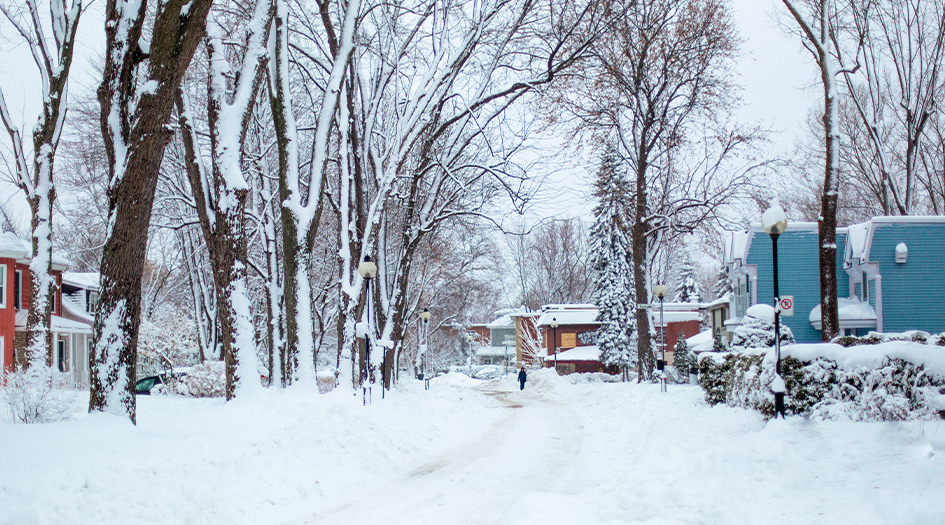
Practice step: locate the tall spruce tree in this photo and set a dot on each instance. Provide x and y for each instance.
(689, 290)
(612, 263)
(682, 358)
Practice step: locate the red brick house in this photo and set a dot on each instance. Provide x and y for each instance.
(70, 335)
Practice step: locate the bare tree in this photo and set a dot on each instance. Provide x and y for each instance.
(137, 96)
(659, 90)
(220, 192)
(53, 60)
(817, 22)
(893, 94)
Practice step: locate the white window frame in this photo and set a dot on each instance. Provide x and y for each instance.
(18, 290)
(3, 286)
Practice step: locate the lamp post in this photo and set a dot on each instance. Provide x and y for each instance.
(661, 291)
(368, 270)
(425, 317)
(774, 222)
(554, 340)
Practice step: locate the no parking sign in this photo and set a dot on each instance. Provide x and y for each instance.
(786, 304)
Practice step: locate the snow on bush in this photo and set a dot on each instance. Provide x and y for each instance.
(895, 381)
(757, 330)
(204, 380)
(39, 394)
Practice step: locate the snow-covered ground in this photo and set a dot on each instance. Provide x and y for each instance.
(468, 451)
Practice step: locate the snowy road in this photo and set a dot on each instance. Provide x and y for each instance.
(528, 452)
(470, 452)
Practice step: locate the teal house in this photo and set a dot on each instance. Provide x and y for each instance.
(896, 265)
(890, 276)
(749, 263)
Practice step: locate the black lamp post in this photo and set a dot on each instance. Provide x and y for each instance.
(425, 317)
(661, 291)
(774, 222)
(554, 340)
(368, 270)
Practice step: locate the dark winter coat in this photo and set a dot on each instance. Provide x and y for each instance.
(521, 375)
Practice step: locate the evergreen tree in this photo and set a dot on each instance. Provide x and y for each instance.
(689, 291)
(718, 345)
(723, 284)
(611, 261)
(682, 357)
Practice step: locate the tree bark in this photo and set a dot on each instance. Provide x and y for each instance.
(136, 132)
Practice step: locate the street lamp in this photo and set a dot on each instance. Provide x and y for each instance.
(661, 291)
(774, 222)
(425, 316)
(368, 270)
(554, 340)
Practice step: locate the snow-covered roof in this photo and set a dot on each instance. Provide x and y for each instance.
(86, 280)
(59, 324)
(569, 317)
(74, 305)
(701, 342)
(15, 248)
(495, 351)
(674, 317)
(854, 313)
(579, 353)
(505, 321)
(726, 297)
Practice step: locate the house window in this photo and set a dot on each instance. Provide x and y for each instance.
(55, 295)
(865, 289)
(91, 301)
(61, 355)
(18, 289)
(3, 286)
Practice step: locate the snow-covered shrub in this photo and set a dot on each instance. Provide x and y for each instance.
(166, 340)
(940, 340)
(712, 366)
(737, 379)
(38, 394)
(757, 330)
(591, 377)
(896, 390)
(204, 380)
(325, 381)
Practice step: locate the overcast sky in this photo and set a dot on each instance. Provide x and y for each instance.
(777, 75)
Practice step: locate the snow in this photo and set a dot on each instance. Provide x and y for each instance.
(59, 324)
(701, 342)
(673, 317)
(85, 280)
(580, 353)
(569, 317)
(469, 451)
(868, 356)
(13, 247)
(774, 215)
(850, 309)
(764, 312)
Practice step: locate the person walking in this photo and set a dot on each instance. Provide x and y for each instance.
(521, 378)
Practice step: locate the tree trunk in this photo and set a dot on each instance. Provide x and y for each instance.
(827, 227)
(135, 148)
